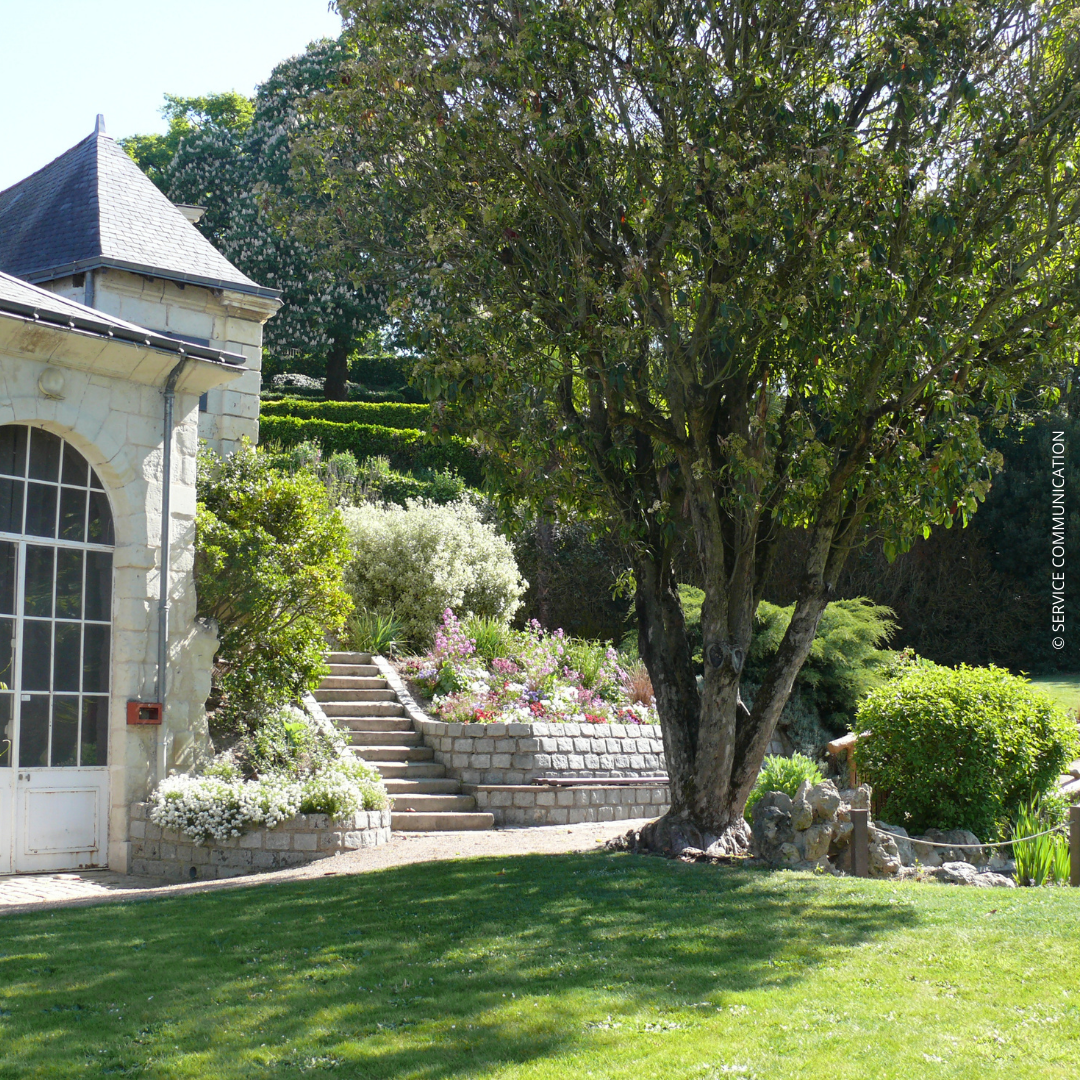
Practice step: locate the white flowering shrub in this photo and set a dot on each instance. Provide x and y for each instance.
(320, 777)
(418, 560)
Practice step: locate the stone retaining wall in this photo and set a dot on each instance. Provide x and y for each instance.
(534, 804)
(166, 853)
(518, 753)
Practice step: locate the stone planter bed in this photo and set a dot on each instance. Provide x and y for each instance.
(531, 804)
(166, 853)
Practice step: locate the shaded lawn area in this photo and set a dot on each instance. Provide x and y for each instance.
(596, 965)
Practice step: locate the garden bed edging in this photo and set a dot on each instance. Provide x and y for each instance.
(175, 856)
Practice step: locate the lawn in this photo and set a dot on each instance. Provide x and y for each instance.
(603, 966)
(1064, 689)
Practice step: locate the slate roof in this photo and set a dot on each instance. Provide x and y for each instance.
(21, 300)
(94, 207)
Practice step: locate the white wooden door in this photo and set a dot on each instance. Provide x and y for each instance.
(55, 655)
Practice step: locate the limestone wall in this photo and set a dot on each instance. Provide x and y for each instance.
(110, 409)
(533, 804)
(166, 853)
(518, 753)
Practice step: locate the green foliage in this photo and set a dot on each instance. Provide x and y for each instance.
(369, 631)
(390, 415)
(1043, 859)
(381, 369)
(491, 636)
(420, 559)
(228, 112)
(846, 659)
(784, 774)
(407, 450)
(270, 559)
(589, 659)
(960, 748)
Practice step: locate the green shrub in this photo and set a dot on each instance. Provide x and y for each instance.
(368, 631)
(415, 417)
(960, 748)
(270, 557)
(782, 774)
(407, 450)
(491, 636)
(421, 559)
(1044, 858)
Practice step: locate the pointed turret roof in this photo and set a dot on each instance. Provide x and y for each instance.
(94, 207)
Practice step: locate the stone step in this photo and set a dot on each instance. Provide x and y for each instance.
(406, 770)
(436, 786)
(395, 753)
(363, 708)
(353, 670)
(386, 738)
(349, 658)
(425, 803)
(352, 682)
(355, 693)
(373, 723)
(421, 821)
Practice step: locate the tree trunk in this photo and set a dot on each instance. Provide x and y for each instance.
(337, 372)
(545, 559)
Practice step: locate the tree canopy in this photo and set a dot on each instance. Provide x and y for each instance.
(715, 270)
(231, 155)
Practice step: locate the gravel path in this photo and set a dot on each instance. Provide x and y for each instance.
(36, 892)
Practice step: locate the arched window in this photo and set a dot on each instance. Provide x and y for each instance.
(56, 539)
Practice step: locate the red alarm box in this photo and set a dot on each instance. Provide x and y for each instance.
(144, 712)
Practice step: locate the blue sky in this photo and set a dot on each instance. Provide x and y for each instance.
(64, 61)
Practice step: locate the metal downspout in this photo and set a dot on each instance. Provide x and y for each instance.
(169, 393)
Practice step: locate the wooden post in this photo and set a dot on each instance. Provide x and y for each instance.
(1074, 846)
(860, 843)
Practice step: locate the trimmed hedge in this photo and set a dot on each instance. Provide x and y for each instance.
(389, 415)
(408, 450)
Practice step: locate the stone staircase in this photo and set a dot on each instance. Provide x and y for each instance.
(424, 799)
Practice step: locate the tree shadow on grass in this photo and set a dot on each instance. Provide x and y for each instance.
(432, 970)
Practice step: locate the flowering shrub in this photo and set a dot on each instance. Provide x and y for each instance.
(301, 765)
(419, 559)
(546, 677)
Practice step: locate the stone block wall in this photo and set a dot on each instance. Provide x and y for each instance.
(166, 853)
(519, 753)
(537, 804)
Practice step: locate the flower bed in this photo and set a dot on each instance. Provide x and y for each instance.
(483, 673)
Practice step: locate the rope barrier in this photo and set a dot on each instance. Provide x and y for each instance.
(968, 847)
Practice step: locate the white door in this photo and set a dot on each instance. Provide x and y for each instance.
(55, 652)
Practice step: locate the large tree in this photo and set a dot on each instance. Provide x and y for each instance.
(231, 155)
(717, 269)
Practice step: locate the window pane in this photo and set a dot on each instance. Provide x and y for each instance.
(37, 654)
(7, 651)
(95, 482)
(69, 566)
(95, 731)
(66, 660)
(7, 729)
(95, 659)
(99, 526)
(13, 450)
(40, 510)
(73, 514)
(65, 732)
(98, 586)
(74, 466)
(44, 455)
(34, 732)
(7, 578)
(11, 496)
(39, 581)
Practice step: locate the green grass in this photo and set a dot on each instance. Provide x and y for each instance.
(601, 966)
(1064, 689)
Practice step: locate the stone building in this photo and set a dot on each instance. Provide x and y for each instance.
(125, 337)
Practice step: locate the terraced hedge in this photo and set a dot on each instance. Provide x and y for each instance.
(407, 449)
(385, 414)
